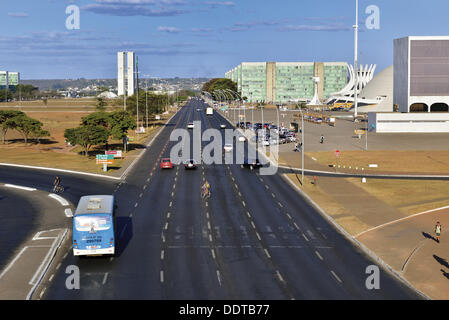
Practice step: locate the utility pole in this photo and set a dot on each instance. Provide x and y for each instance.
(356, 58)
(137, 94)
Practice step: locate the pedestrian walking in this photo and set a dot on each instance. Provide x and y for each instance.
(438, 228)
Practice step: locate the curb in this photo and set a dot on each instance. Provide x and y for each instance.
(365, 249)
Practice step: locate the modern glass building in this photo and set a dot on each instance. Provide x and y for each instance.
(10, 79)
(283, 82)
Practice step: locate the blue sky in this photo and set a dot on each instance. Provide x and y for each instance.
(201, 38)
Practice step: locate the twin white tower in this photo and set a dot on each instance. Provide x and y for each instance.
(126, 73)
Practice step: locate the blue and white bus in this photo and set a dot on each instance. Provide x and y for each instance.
(94, 226)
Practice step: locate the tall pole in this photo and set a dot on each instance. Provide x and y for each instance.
(302, 147)
(356, 58)
(137, 77)
(146, 102)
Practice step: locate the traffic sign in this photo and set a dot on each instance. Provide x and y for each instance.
(105, 159)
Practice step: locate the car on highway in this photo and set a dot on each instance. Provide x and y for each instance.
(166, 164)
(252, 164)
(190, 165)
(228, 148)
(190, 126)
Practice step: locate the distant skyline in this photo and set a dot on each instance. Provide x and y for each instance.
(196, 38)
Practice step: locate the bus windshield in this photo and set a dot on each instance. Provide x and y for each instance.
(93, 223)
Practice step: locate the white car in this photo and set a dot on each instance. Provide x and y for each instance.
(266, 142)
(242, 139)
(228, 148)
(223, 126)
(190, 126)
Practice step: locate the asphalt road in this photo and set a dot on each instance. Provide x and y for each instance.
(255, 238)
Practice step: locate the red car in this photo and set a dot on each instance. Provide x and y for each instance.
(166, 164)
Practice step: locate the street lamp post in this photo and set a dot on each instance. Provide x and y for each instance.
(356, 57)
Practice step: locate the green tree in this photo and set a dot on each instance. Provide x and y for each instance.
(38, 134)
(219, 84)
(87, 136)
(96, 119)
(121, 122)
(4, 116)
(25, 125)
(101, 104)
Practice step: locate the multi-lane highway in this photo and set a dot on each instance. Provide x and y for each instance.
(255, 238)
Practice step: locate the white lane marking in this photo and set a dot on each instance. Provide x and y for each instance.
(171, 204)
(168, 215)
(163, 238)
(248, 214)
(319, 255)
(162, 255)
(219, 277)
(42, 292)
(336, 277)
(289, 216)
(279, 276)
(210, 238)
(304, 236)
(58, 266)
(267, 187)
(258, 236)
(166, 226)
(136, 205)
(207, 215)
(141, 195)
(273, 195)
(209, 226)
(296, 226)
(252, 223)
(244, 204)
(280, 205)
(51, 277)
(213, 254)
(162, 276)
(144, 187)
(105, 278)
(61, 200)
(267, 253)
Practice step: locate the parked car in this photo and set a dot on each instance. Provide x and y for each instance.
(282, 139)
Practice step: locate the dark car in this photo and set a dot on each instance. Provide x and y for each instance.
(190, 165)
(282, 139)
(252, 164)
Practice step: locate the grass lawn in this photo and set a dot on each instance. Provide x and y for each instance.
(413, 162)
(408, 196)
(332, 207)
(55, 153)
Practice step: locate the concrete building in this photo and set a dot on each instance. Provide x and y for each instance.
(421, 74)
(9, 80)
(421, 87)
(126, 73)
(283, 82)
